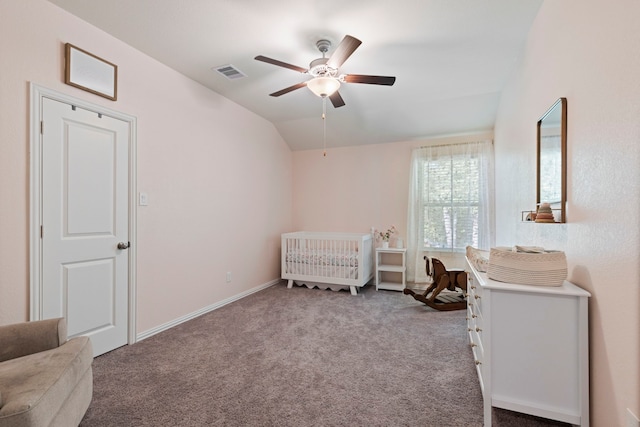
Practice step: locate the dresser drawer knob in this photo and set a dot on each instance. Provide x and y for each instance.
(478, 329)
(476, 296)
(478, 362)
(474, 316)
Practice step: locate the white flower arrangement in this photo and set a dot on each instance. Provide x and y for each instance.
(386, 235)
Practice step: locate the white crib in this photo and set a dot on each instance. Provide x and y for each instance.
(327, 260)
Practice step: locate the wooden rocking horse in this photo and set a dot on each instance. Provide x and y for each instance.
(443, 279)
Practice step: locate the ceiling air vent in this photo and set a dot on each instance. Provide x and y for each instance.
(230, 72)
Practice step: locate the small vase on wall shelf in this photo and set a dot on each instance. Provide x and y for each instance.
(385, 244)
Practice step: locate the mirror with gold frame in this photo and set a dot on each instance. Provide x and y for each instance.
(552, 160)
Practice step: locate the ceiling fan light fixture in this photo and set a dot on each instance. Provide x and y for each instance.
(324, 71)
(323, 86)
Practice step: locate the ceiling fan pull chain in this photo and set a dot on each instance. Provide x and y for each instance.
(324, 125)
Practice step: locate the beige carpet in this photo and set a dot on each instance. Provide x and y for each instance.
(299, 357)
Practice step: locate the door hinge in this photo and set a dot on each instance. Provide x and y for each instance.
(41, 231)
(41, 127)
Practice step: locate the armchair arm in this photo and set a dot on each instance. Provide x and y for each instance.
(21, 339)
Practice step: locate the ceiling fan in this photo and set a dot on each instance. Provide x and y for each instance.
(326, 80)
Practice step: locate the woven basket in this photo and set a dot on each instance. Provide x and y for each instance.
(478, 258)
(548, 268)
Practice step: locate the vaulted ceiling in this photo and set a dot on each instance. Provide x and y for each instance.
(451, 58)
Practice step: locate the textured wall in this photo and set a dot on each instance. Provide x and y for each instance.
(585, 51)
(218, 176)
(355, 188)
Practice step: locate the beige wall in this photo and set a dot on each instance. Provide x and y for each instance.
(355, 188)
(586, 51)
(218, 176)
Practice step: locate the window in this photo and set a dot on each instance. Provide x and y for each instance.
(451, 199)
(450, 202)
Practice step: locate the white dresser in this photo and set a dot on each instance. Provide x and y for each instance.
(531, 347)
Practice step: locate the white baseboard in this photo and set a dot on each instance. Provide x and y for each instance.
(148, 333)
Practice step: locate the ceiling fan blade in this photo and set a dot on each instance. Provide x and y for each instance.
(288, 89)
(336, 99)
(347, 46)
(372, 80)
(280, 63)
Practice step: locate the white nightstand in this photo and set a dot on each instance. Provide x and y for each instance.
(391, 269)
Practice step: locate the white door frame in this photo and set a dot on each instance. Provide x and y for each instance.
(35, 187)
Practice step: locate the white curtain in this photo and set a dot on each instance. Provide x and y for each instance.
(468, 169)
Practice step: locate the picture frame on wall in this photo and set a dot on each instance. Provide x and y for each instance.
(89, 72)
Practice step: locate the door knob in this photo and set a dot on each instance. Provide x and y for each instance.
(123, 245)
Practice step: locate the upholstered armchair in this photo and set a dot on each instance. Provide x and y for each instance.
(45, 379)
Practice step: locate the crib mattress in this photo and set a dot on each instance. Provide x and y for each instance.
(322, 257)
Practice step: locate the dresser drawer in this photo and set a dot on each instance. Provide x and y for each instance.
(474, 291)
(474, 328)
(472, 315)
(474, 306)
(476, 332)
(478, 355)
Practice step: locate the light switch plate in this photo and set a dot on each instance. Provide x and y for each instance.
(144, 199)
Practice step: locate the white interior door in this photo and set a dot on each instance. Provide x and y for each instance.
(85, 222)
